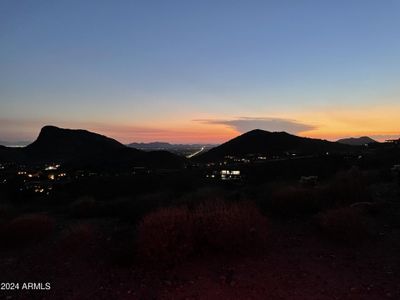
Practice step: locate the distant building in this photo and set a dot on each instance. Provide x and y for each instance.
(225, 175)
(396, 142)
(230, 174)
(51, 167)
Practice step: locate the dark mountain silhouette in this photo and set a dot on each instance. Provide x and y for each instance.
(364, 140)
(271, 143)
(54, 143)
(76, 147)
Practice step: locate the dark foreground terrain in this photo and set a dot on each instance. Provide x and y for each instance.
(339, 239)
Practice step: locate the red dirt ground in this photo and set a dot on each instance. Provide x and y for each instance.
(298, 264)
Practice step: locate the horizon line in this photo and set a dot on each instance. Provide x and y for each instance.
(376, 137)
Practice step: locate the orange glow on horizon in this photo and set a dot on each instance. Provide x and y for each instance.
(332, 123)
(379, 122)
(178, 135)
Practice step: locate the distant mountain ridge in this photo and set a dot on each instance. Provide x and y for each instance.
(259, 141)
(363, 140)
(81, 147)
(166, 146)
(152, 145)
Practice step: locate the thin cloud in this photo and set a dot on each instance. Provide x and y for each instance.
(244, 124)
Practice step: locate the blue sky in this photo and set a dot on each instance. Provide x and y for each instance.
(145, 70)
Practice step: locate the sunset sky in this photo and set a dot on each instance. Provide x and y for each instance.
(200, 71)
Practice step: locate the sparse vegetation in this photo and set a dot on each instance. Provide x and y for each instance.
(345, 188)
(172, 234)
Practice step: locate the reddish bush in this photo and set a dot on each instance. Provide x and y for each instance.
(347, 224)
(346, 188)
(166, 234)
(237, 227)
(172, 234)
(26, 229)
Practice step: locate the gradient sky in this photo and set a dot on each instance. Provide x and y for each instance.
(200, 71)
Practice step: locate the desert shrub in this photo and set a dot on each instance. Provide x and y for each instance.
(294, 201)
(348, 224)
(234, 227)
(173, 234)
(345, 188)
(166, 234)
(26, 229)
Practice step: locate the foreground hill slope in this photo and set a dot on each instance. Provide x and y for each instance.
(271, 143)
